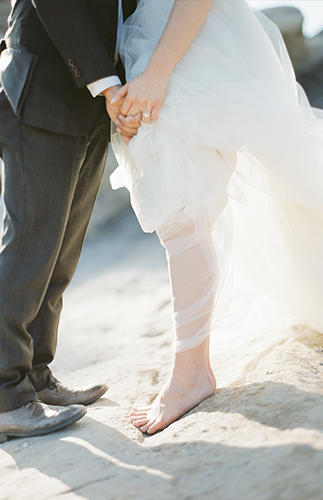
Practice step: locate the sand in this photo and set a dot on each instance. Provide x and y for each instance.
(260, 437)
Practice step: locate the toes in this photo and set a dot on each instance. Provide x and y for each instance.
(135, 413)
(139, 422)
(145, 427)
(140, 409)
(154, 427)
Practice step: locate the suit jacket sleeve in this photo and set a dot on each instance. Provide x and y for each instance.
(74, 34)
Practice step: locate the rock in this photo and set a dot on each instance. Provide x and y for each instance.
(312, 82)
(290, 22)
(109, 203)
(306, 53)
(4, 11)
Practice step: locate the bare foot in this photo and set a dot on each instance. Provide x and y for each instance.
(179, 395)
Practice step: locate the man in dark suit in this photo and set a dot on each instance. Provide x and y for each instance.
(56, 57)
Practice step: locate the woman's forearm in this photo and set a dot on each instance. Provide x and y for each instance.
(185, 21)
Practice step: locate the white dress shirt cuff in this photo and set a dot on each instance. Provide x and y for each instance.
(97, 87)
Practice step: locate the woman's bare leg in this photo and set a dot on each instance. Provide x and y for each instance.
(193, 272)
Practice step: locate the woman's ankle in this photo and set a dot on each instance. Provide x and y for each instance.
(194, 360)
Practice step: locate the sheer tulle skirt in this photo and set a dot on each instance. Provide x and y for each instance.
(231, 174)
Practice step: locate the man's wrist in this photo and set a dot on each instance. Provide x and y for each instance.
(110, 92)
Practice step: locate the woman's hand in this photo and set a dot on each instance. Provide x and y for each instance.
(144, 94)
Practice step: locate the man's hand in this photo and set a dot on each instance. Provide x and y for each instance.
(126, 126)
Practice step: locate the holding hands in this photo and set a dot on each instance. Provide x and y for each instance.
(140, 100)
(127, 126)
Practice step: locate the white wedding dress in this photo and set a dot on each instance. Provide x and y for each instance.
(230, 175)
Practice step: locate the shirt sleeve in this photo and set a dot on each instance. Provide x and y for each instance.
(104, 83)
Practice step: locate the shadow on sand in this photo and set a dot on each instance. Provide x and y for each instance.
(94, 461)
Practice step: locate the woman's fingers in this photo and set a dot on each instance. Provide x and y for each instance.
(137, 106)
(130, 107)
(155, 112)
(146, 116)
(120, 94)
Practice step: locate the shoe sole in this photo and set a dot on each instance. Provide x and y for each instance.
(68, 402)
(95, 398)
(4, 437)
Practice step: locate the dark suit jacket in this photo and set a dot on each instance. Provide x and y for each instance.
(54, 48)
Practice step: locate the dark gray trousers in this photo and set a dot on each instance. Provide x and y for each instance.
(49, 186)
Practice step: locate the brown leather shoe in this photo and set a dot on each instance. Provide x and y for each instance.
(60, 395)
(36, 418)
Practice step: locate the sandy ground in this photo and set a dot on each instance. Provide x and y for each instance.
(260, 437)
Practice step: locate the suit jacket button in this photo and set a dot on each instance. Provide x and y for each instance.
(110, 36)
(77, 74)
(71, 62)
(74, 67)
